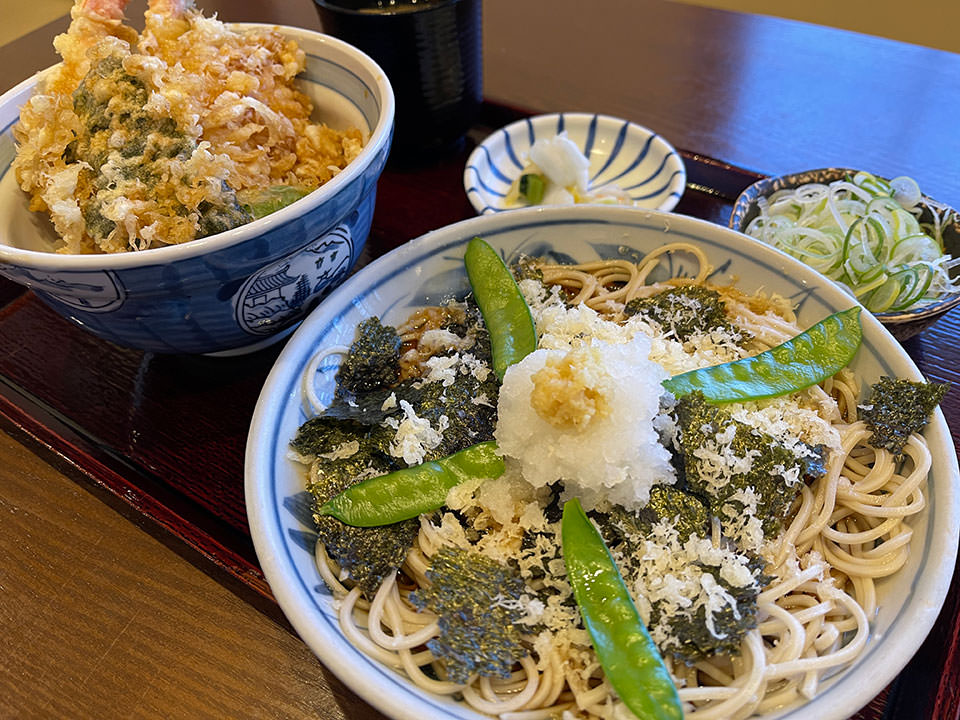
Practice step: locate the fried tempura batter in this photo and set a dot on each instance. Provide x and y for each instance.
(135, 141)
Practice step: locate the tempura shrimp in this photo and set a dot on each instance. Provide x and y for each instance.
(91, 22)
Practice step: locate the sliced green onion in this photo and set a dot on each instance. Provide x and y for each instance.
(906, 191)
(883, 296)
(864, 233)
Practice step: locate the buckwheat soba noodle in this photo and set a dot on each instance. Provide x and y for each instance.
(750, 536)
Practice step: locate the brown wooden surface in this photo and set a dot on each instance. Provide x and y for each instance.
(102, 621)
(105, 617)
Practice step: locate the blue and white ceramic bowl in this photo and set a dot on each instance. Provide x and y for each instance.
(429, 269)
(230, 292)
(637, 160)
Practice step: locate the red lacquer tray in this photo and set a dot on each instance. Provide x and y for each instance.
(161, 438)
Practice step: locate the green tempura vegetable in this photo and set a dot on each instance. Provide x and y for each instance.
(125, 151)
(812, 356)
(513, 334)
(412, 491)
(628, 656)
(260, 202)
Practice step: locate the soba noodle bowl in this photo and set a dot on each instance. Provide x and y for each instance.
(803, 593)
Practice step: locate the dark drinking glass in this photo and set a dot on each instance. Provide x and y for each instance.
(431, 51)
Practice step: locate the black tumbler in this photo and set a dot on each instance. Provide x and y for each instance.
(431, 51)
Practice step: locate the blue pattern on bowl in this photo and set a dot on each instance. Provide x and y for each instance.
(231, 292)
(639, 161)
(430, 268)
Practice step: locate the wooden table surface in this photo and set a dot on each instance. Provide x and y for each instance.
(105, 617)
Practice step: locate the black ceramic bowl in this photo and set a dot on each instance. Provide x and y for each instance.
(903, 324)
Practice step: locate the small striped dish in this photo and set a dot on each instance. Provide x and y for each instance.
(636, 159)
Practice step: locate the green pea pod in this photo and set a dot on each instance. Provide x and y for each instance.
(813, 355)
(412, 491)
(628, 656)
(513, 334)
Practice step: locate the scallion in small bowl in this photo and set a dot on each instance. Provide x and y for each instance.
(894, 249)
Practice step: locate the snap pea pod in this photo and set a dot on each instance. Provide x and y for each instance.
(412, 491)
(513, 334)
(626, 652)
(813, 355)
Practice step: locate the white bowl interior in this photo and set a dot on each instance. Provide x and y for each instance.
(634, 158)
(19, 227)
(430, 268)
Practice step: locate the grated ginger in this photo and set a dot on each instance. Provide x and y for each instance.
(571, 391)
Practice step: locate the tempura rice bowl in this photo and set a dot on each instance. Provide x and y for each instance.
(429, 269)
(230, 292)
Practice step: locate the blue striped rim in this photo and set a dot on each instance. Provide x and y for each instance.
(479, 180)
(511, 153)
(6, 168)
(656, 173)
(638, 160)
(591, 135)
(617, 147)
(367, 289)
(659, 191)
(493, 166)
(308, 76)
(485, 208)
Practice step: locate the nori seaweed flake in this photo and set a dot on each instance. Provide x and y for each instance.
(897, 409)
(686, 512)
(358, 417)
(689, 310)
(730, 625)
(478, 603)
(367, 555)
(373, 360)
(703, 425)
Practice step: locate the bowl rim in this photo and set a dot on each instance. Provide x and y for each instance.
(748, 197)
(379, 136)
(482, 148)
(414, 704)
